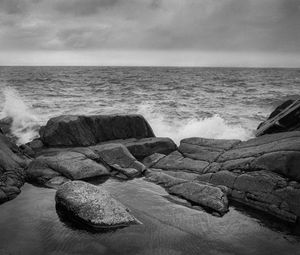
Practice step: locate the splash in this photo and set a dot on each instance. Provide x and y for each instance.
(24, 122)
(213, 127)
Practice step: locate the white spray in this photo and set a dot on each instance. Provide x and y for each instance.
(24, 122)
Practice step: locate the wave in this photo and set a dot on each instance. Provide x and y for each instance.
(24, 123)
(210, 127)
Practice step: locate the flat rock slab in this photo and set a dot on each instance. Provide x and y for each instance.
(93, 205)
(175, 161)
(203, 194)
(71, 164)
(118, 157)
(80, 130)
(205, 149)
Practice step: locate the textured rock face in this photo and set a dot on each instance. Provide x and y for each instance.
(71, 164)
(12, 164)
(74, 130)
(278, 153)
(195, 154)
(119, 158)
(264, 190)
(93, 205)
(147, 146)
(84, 162)
(290, 122)
(258, 172)
(201, 193)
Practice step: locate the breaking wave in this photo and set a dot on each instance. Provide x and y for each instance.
(211, 127)
(24, 123)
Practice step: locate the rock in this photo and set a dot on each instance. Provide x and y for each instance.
(84, 162)
(57, 181)
(77, 130)
(119, 158)
(201, 193)
(176, 161)
(275, 152)
(283, 123)
(27, 150)
(12, 164)
(71, 164)
(141, 148)
(92, 205)
(152, 159)
(35, 144)
(5, 125)
(205, 149)
(263, 190)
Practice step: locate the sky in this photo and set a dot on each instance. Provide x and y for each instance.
(254, 33)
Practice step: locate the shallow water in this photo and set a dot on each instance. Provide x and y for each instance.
(30, 224)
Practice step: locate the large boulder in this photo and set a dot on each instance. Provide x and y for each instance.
(203, 194)
(92, 205)
(286, 117)
(77, 130)
(12, 164)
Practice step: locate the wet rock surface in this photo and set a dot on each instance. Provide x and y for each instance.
(201, 193)
(76, 130)
(258, 172)
(12, 164)
(84, 162)
(93, 205)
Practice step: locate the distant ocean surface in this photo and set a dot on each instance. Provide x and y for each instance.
(177, 102)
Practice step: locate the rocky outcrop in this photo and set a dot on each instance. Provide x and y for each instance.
(264, 190)
(286, 117)
(195, 155)
(92, 205)
(278, 153)
(84, 162)
(120, 159)
(76, 130)
(74, 165)
(12, 164)
(204, 194)
(141, 148)
(258, 172)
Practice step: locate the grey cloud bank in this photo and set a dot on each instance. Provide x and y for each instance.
(208, 28)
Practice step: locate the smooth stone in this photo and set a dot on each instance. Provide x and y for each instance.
(93, 205)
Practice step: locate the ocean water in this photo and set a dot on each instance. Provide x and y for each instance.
(177, 102)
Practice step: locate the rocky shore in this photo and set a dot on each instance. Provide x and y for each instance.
(262, 172)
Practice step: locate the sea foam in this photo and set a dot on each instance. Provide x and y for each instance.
(214, 127)
(24, 122)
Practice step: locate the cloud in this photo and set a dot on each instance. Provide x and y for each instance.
(195, 25)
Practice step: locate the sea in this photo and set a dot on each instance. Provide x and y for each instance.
(178, 102)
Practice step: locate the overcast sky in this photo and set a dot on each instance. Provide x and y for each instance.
(150, 32)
